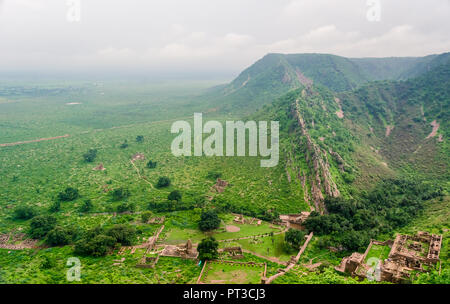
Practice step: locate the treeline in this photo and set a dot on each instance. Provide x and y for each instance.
(351, 223)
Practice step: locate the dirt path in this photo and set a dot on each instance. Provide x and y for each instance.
(435, 126)
(140, 176)
(32, 141)
(271, 259)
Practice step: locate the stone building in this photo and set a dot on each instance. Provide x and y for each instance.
(407, 253)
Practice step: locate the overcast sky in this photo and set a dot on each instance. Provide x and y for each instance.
(211, 35)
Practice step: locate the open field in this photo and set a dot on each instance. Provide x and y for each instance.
(226, 273)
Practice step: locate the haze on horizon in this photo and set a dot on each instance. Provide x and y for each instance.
(214, 37)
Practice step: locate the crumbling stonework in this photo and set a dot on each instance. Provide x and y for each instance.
(186, 251)
(407, 254)
(294, 220)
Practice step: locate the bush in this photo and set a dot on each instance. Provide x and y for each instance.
(122, 234)
(151, 164)
(55, 207)
(87, 206)
(146, 215)
(124, 207)
(207, 249)
(174, 196)
(209, 220)
(120, 194)
(68, 195)
(90, 155)
(163, 181)
(58, 236)
(124, 145)
(24, 212)
(41, 225)
(294, 237)
(214, 175)
(140, 138)
(98, 246)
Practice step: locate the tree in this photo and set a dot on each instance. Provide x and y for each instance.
(124, 207)
(122, 234)
(140, 138)
(24, 212)
(151, 164)
(207, 249)
(163, 182)
(41, 225)
(209, 220)
(55, 207)
(97, 246)
(87, 206)
(68, 195)
(146, 215)
(294, 237)
(58, 236)
(90, 155)
(124, 145)
(120, 194)
(174, 196)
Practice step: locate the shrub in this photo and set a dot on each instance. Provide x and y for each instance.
(124, 145)
(163, 181)
(294, 237)
(90, 155)
(124, 207)
(68, 195)
(120, 194)
(140, 138)
(41, 225)
(24, 212)
(55, 207)
(151, 164)
(58, 236)
(122, 234)
(87, 206)
(146, 215)
(174, 196)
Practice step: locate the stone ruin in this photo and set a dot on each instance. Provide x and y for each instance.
(137, 156)
(220, 185)
(157, 220)
(407, 254)
(294, 220)
(186, 251)
(234, 252)
(239, 219)
(99, 168)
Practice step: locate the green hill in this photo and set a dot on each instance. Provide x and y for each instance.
(275, 74)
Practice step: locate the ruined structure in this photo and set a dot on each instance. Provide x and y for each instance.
(294, 220)
(220, 185)
(234, 252)
(99, 168)
(186, 251)
(407, 254)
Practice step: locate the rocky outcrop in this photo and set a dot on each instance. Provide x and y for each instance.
(320, 180)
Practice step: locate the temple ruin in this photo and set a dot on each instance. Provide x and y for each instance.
(407, 253)
(294, 220)
(186, 251)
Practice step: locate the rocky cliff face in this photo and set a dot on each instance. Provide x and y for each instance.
(320, 179)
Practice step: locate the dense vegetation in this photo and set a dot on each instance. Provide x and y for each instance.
(351, 223)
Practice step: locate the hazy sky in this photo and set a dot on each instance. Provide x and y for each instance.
(211, 35)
